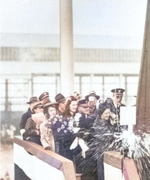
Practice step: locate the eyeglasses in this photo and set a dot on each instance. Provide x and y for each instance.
(85, 107)
(119, 96)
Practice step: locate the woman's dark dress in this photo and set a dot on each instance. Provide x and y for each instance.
(63, 135)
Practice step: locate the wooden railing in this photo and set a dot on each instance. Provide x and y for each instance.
(64, 167)
(51, 158)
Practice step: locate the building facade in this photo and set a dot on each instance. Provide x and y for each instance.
(31, 65)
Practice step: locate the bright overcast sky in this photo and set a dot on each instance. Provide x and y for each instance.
(90, 17)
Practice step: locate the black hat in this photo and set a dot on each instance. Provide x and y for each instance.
(118, 91)
(43, 96)
(32, 100)
(59, 97)
(50, 104)
(92, 93)
(38, 104)
(82, 101)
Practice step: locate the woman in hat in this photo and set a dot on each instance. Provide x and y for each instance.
(61, 103)
(103, 139)
(47, 139)
(102, 127)
(63, 128)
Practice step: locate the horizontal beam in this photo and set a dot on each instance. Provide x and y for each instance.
(28, 68)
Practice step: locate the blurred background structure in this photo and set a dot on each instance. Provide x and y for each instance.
(107, 41)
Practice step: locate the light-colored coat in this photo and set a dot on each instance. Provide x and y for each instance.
(47, 138)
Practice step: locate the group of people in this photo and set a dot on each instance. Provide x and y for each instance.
(70, 124)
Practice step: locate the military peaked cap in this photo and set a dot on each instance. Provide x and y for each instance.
(82, 101)
(43, 96)
(118, 91)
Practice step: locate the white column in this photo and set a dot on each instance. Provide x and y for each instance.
(66, 48)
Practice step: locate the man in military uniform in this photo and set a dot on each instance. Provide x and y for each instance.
(85, 121)
(115, 104)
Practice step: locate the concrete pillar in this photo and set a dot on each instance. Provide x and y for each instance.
(66, 48)
(143, 95)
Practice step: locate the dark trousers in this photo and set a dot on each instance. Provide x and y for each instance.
(100, 168)
(19, 174)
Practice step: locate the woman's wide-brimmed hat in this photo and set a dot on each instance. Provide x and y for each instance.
(50, 104)
(37, 104)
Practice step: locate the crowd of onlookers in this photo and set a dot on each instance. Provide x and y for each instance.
(66, 125)
(7, 134)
